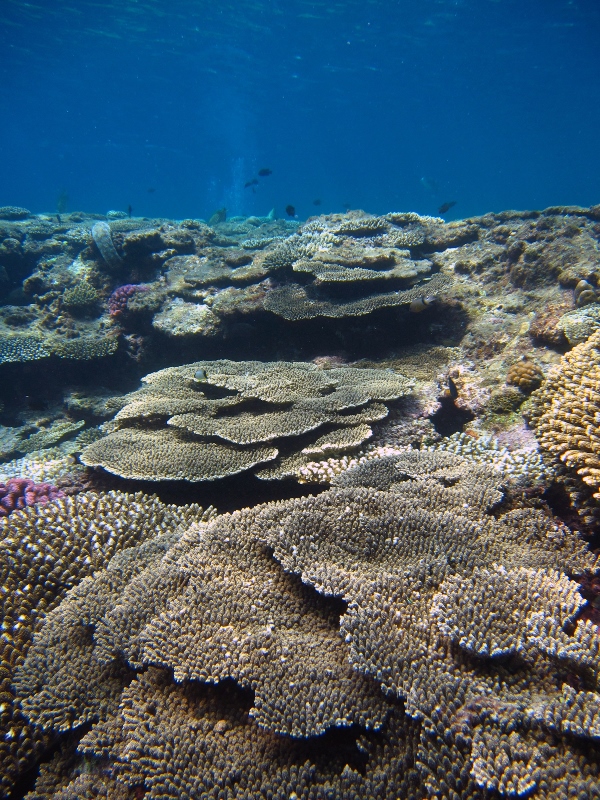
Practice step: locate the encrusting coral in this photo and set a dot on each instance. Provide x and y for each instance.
(44, 551)
(211, 419)
(257, 600)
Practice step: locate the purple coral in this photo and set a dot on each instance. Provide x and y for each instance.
(18, 493)
(117, 302)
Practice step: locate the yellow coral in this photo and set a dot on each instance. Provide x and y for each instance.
(567, 420)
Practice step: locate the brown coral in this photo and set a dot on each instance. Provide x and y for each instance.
(526, 375)
(215, 418)
(46, 550)
(254, 597)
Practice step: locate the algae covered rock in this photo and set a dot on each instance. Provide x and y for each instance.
(580, 324)
(178, 318)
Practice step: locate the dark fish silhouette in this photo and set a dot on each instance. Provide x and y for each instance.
(264, 172)
(317, 202)
(290, 211)
(446, 207)
(151, 190)
(346, 206)
(452, 388)
(253, 182)
(129, 210)
(220, 215)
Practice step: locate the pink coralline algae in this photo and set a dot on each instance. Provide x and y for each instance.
(18, 493)
(117, 302)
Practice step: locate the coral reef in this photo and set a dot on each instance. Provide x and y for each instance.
(14, 212)
(45, 551)
(215, 418)
(18, 493)
(183, 625)
(51, 465)
(246, 658)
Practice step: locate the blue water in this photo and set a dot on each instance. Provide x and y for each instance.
(171, 107)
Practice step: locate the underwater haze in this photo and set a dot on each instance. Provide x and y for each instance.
(173, 108)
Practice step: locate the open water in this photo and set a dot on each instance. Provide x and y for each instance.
(172, 107)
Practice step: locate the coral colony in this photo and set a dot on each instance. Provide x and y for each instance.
(18, 493)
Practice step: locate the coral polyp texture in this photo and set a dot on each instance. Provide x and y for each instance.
(44, 551)
(566, 415)
(327, 647)
(211, 419)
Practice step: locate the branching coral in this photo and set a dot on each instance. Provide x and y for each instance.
(565, 413)
(44, 551)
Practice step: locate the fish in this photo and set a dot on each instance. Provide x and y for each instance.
(446, 206)
(253, 182)
(421, 303)
(129, 210)
(290, 211)
(452, 388)
(219, 216)
(151, 190)
(317, 202)
(264, 172)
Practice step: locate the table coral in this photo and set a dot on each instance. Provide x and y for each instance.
(258, 599)
(45, 550)
(211, 419)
